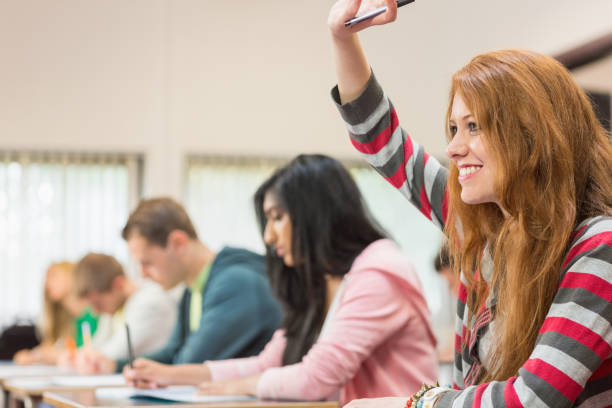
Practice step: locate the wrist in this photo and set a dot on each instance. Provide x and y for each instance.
(251, 385)
(206, 373)
(112, 366)
(169, 374)
(426, 397)
(343, 39)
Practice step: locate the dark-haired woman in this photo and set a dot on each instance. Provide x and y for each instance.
(356, 322)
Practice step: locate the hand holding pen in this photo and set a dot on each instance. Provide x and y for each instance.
(347, 17)
(363, 16)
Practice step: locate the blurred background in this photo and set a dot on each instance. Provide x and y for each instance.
(105, 102)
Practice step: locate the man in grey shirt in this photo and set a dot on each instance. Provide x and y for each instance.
(101, 281)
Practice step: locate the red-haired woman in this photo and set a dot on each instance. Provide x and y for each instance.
(527, 208)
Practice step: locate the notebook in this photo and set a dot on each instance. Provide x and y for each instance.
(178, 393)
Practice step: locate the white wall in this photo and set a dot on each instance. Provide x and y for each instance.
(170, 77)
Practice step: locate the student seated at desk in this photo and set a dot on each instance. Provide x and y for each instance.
(149, 311)
(63, 316)
(227, 310)
(356, 322)
(527, 208)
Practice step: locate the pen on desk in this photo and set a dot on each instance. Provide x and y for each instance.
(373, 13)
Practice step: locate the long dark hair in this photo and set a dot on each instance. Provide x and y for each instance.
(331, 226)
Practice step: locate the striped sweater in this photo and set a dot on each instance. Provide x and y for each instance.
(571, 364)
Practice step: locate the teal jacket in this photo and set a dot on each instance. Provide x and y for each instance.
(239, 313)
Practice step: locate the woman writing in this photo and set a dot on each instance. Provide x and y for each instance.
(356, 323)
(63, 316)
(526, 205)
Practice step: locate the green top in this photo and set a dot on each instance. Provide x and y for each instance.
(88, 317)
(195, 305)
(238, 316)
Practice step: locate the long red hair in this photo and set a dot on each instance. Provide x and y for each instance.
(554, 171)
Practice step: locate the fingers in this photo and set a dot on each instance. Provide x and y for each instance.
(211, 388)
(344, 10)
(142, 363)
(389, 16)
(391, 13)
(144, 373)
(340, 12)
(142, 384)
(352, 9)
(128, 373)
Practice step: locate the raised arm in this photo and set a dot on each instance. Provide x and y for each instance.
(373, 124)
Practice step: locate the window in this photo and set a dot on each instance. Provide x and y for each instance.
(56, 207)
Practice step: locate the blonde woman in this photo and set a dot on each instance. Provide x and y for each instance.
(63, 316)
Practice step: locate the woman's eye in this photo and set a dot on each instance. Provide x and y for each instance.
(453, 129)
(473, 127)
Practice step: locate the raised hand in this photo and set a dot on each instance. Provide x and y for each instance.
(344, 10)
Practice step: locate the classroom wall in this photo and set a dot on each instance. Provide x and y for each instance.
(168, 78)
(596, 76)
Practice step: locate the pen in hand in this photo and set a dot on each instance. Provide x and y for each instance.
(373, 13)
(86, 333)
(130, 351)
(129, 346)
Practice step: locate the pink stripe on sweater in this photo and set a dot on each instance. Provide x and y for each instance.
(555, 377)
(510, 397)
(380, 140)
(478, 395)
(399, 177)
(603, 238)
(603, 371)
(592, 283)
(579, 333)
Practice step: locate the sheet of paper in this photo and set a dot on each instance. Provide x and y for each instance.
(13, 370)
(114, 380)
(178, 393)
(30, 383)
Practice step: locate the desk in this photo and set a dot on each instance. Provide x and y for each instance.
(11, 371)
(88, 399)
(30, 390)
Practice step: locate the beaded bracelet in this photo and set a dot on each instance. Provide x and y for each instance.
(427, 393)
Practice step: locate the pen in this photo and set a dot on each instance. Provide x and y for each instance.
(86, 332)
(129, 344)
(71, 347)
(130, 351)
(373, 13)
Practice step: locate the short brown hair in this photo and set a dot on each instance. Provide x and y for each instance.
(96, 272)
(156, 218)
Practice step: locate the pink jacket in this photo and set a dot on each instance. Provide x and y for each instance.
(379, 342)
